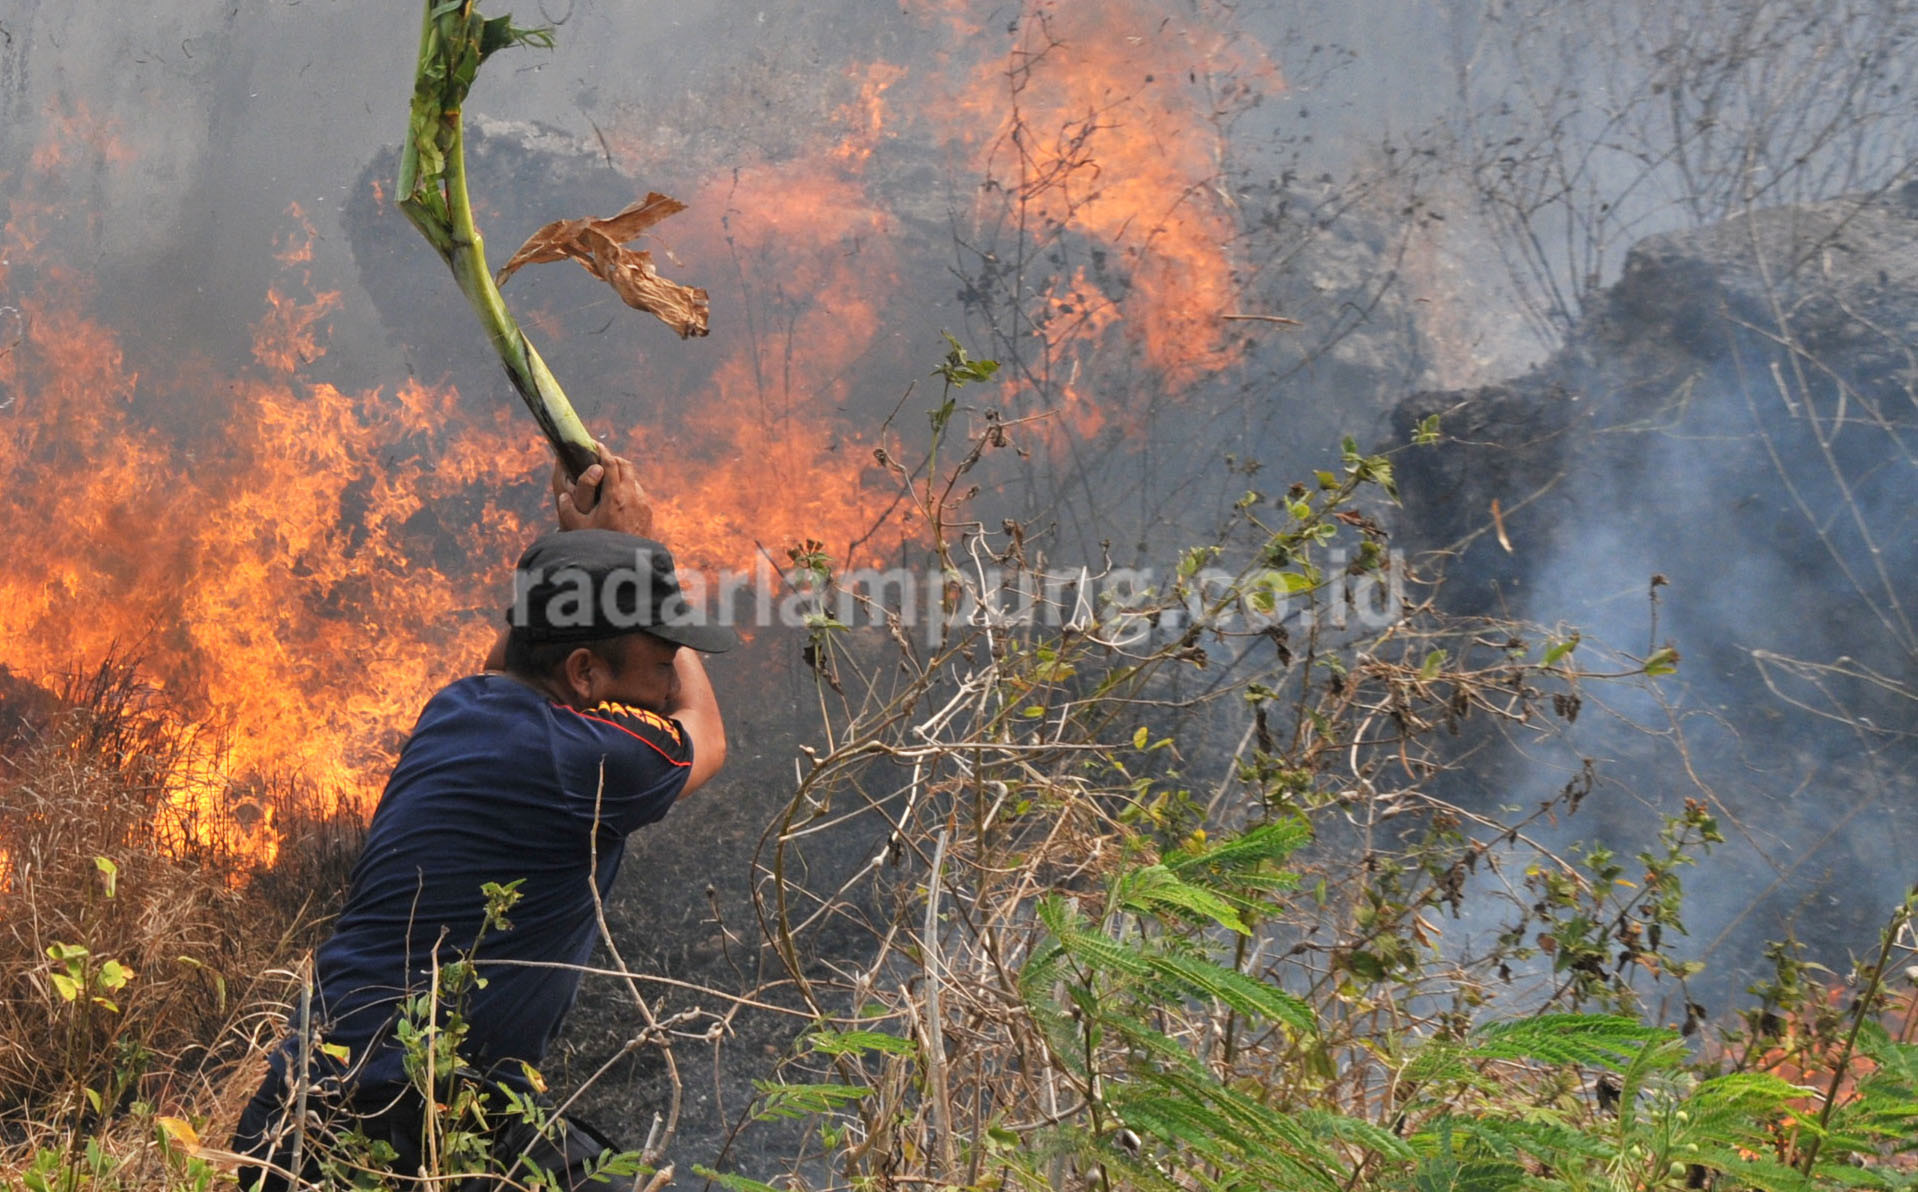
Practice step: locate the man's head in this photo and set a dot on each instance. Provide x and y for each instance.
(598, 614)
(633, 668)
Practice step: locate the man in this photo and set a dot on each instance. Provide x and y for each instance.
(593, 717)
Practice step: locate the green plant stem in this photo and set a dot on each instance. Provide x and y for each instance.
(1092, 1085)
(535, 383)
(442, 210)
(1860, 1011)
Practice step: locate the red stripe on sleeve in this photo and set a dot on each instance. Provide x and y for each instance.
(629, 732)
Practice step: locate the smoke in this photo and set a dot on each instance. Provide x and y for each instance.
(246, 404)
(1735, 481)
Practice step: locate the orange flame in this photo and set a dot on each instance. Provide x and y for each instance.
(312, 562)
(1094, 135)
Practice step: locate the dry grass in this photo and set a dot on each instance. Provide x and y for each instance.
(100, 855)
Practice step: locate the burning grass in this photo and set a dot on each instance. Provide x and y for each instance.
(141, 954)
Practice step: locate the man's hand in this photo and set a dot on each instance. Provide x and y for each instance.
(607, 496)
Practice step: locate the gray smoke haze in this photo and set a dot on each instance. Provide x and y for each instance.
(1442, 192)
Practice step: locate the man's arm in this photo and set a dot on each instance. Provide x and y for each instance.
(608, 496)
(496, 657)
(697, 711)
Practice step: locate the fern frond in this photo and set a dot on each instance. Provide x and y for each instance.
(1766, 1175)
(803, 1100)
(1042, 970)
(1551, 1142)
(732, 1183)
(1254, 998)
(1736, 1107)
(1056, 915)
(1038, 985)
(1443, 1168)
(1654, 1060)
(1202, 1133)
(1352, 1131)
(1271, 1131)
(1897, 1063)
(1272, 842)
(1102, 952)
(1153, 1044)
(1182, 1122)
(1445, 1174)
(1442, 1063)
(1594, 1040)
(1875, 1118)
(827, 1042)
(1155, 890)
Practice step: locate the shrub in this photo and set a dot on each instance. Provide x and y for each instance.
(1104, 959)
(137, 957)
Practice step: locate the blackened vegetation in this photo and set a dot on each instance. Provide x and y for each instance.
(1721, 457)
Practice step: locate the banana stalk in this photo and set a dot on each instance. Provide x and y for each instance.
(454, 41)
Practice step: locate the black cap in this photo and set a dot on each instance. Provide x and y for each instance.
(579, 585)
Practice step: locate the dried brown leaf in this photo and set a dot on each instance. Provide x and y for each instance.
(638, 217)
(599, 245)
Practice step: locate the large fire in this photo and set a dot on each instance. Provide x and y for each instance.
(307, 562)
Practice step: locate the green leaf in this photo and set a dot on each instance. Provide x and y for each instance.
(732, 1183)
(1195, 559)
(942, 415)
(109, 874)
(1561, 649)
(1385, 477)
(960, 369)
(1365, 966)
(500, 900)
(1248, 851)
(1251, 997)
(780, 1101)
(856, 1042)
(65, 986)
(113, 975)
(1662, 662)
(1358, 1132)
(499, 33)
(1434, 662)
(1155, 889)
(1595, 1040)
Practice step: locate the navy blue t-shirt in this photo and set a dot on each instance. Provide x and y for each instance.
(497, 783)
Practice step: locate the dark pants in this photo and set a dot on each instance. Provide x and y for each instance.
(567, 1149)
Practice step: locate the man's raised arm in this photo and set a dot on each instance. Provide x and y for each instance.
(608, 496)
(697, 710)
